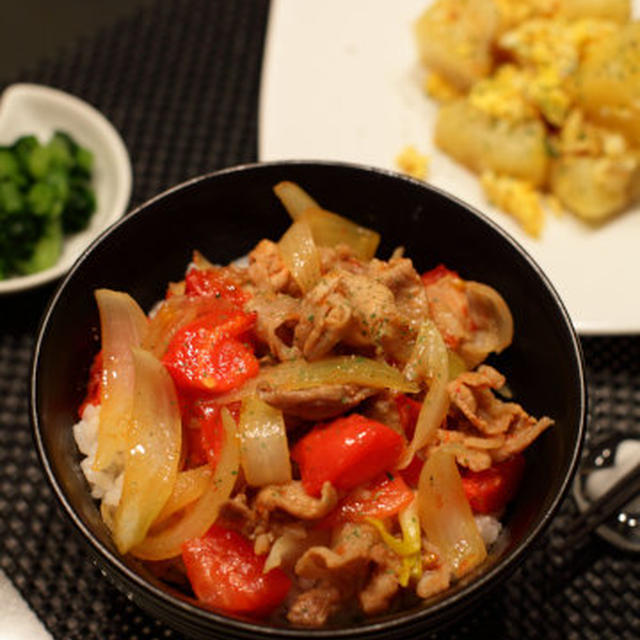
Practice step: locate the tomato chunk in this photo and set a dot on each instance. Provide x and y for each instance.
(380, 498)
(439, 271)
(212, 430)
(346, 452)
(213, 282)
(408, 411)
(490, 490)
(208, 354)
(225, 573)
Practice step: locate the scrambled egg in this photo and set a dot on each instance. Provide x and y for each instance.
(536, 49)
(517, 197)
(413, 163)
(439, 89)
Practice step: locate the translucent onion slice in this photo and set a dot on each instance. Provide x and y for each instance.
(493, 323)
(445, 514)
(154, 440)
(189, 486)
(300, 374)
(264, 450)
(122, 326)
(430, 361)
(294, 198)
(300, 255)
(197, 518)
(330, 229)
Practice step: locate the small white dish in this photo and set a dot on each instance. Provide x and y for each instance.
(341, 81)
(39, 110)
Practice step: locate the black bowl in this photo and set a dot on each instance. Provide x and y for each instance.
(223, 215)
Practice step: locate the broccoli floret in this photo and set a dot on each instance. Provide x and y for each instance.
(80, 206)
(45, 191)
(22, 149)
(11, 198)
(84, 163)
(19, 234)
(10, 169)
(46, 251)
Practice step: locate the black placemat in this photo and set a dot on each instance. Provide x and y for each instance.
(180, 81)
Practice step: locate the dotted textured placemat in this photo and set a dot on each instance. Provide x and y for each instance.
(180, 81)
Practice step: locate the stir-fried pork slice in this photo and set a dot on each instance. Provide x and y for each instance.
(436, 575)
(339, 257)
(267, 271)
(237, 514)
(314, 607)
(325, 318)
(316, 403)
(472, 394)
(345, 564)
(277, 316)
(467, 449)
(473, 318)
(293, 499)
(355, 310)
(383, 583)
(472, 397)
(404, 282)
(449, 309)
(383, 408)
(521, 436)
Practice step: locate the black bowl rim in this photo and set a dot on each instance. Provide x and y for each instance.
(440, 609)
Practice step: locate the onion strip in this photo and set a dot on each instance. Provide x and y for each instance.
(330, 229)
(358, 370)
(122, 326)
(294, 198)
(189, 486)
(264, 450)
(167, 543)
(154, 440)
(445, 514)
(429, 360)
(300, 255)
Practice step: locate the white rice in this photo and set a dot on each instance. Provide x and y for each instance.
(489, 528)
(105, 485)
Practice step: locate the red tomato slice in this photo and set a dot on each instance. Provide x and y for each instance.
(490, 490)
(207, 282)
(411, 473)
(380, 498)
(408, 410)
(212, 431)
(196, 454)
(346, 452)
(225, 573)
(205, 355)
(429, 277)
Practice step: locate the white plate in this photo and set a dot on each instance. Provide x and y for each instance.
(35, 109)
(340, 82)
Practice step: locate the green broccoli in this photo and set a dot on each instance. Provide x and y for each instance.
(45, 192)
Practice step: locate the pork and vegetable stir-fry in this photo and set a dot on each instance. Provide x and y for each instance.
(312, 435)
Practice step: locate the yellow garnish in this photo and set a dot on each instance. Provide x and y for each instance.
(516, 197)
(409, 547)
(440, 89)
(413, 163)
